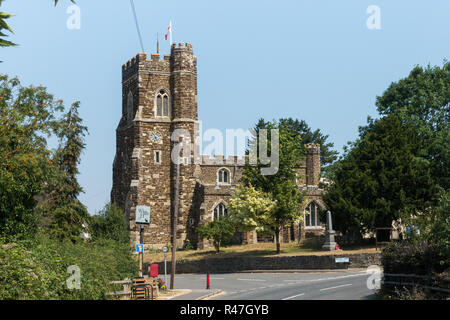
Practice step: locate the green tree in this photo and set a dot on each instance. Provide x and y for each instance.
(281, 186)
(219, 231)
(27, 118)
(111, 224)
(252, 209)
(67, 216)
(381, 178)
(327, 154)
(4, 27)
(439, 233)
(423, 100)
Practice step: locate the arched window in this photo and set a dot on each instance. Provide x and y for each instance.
(130, 107)
(162, 104)
(312, 215)
(220, 211)
(223, 176)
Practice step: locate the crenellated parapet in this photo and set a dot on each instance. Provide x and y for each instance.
(183, 58)
(221, 160)
(132, 66)
(313, 148)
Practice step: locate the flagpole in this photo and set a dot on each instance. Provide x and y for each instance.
(157, 42)
(170, 33)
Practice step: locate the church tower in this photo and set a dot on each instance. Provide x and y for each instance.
(159, 97)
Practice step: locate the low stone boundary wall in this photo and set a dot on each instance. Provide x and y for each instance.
(309, 262)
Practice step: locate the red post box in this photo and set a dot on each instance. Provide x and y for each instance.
(154, 271)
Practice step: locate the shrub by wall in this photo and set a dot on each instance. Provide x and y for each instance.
(38, 269)
(420, 258)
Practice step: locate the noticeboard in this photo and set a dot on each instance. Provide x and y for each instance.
(143, 215)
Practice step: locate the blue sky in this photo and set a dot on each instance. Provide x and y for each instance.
(311, 60)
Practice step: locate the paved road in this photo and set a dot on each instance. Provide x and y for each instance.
(342, 285)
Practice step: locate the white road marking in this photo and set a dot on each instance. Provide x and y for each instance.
(251, 280)
(343, 285)
(298, 295)
(330, 278)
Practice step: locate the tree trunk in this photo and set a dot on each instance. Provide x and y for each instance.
(277, 239)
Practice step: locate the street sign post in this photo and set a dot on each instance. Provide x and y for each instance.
(142, 215)
(164, 249)
(142, 218)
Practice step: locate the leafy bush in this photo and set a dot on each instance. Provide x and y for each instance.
(110, 224)
(440, 229)
(30, 274)
(38, 269)
(27, 116)
(420, 258)
(219, 231)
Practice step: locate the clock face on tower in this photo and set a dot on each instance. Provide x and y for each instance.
(156, 137)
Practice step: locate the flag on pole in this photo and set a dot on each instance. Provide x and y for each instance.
(169, 32)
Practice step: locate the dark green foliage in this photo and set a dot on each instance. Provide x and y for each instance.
(110, 224)
(219, 231)
(281, 186)
(381, 178)
(65, 214)
(327, 154)
(38, 269)
(439, 233)
(30, 171)
(423, 99)
(5, 27)
(27, 116)
(420, 258)
(400, 163)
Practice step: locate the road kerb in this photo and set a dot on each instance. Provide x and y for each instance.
(303, 271)
(209, 295)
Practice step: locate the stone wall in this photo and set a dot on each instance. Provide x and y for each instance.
(312, 262)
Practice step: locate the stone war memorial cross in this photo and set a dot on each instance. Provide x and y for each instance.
(330, 244)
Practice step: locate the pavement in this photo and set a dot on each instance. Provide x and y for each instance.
(300, 284)
(198, 294)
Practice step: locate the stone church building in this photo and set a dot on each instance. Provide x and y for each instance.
(160, 96)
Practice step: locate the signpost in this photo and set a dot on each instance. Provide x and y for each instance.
(142, 218)
(143, 215)
(139, 248)
(174, 224)
(164, 249)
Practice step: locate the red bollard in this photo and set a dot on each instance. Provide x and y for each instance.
(207, 281)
